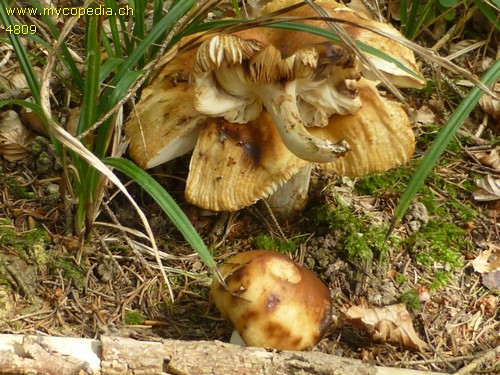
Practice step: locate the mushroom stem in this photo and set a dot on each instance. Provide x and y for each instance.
(282, 106)
(291, 197)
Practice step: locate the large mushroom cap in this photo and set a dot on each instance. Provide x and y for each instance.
(379, 134)
(360, 27)
(235, 165)
(280, 99)
(237, 76)
(272, 301)
(301, 79)
(164, 124)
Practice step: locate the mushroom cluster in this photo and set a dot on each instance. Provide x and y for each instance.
(272, 301)
(260, 106)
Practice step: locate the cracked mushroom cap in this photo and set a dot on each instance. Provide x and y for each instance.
(164, 124)
(379, 134)
(299, 78)
(235, 77)
(352, 20)
(235, 165)
(272, 301)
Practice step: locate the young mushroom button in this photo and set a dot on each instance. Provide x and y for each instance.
(272, 301)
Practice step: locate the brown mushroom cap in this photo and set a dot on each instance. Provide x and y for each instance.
(404, 55)
(235, 165)
(301, 79)
(245, 157)
(379, 134)
(164, 124)
(236, 77)
(272, 301)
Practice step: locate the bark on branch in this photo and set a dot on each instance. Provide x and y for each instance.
(117, 355)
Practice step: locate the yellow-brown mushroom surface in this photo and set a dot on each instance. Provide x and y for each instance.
(272, 301)
(260, 106)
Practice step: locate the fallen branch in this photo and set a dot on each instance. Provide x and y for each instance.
(117, 355)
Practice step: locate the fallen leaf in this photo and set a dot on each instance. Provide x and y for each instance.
(391, 324)
(490, 159)
(489, 189)
(491, 105)
(425, 115)
(491, 280)
(488, 264)
(14, 137)
(488, 260)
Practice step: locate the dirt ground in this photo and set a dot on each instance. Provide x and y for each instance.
(54, 282)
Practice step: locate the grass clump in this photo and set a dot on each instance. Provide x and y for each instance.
(22, 243)
(34, 247)
(378, 183)
(17, 190)
(440, 279)
(69, 269)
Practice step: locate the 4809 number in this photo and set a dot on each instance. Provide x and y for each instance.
(21, 29)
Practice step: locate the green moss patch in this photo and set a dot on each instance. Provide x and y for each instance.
(267, 242)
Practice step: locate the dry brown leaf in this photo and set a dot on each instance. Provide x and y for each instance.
(425, 115)
(491, 280)
(490, 159)
(391, 324)
(491, 105)
(488, 264)
(488, 260)
(489, 189)
(14, 137)
(459, 47)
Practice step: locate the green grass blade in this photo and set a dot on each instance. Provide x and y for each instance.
(115, 33)
(157, 11)
(165, 25)
(488, 12)
(92, 76)
(68, 60)
(236, 8)
(87, 187)
(107, 45)
(418, 19)
(21, 53)
(24, 103)
(102, 142)
(443, 138)
(140, 26)
(403, 16)
(111, 98)
(109, 66)
(167, 203)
